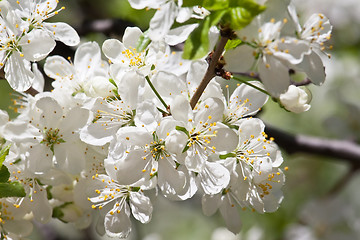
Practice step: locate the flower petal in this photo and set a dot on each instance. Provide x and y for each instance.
(63, 32)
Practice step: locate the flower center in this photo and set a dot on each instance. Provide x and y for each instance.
(52, 137)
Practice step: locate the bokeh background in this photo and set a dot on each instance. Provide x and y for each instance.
(321, 194)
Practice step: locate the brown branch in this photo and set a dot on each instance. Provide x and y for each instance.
(210, 73)
(32, 91)
(341, 149)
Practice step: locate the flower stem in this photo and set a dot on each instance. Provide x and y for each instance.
(251, 85)
(210, 73)
(156, 92)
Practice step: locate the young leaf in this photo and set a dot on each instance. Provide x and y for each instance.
(197, 45)
(13, 189)
(143, 42)
(231, 44)
(240, 16)
(3, 153)
(4, 174)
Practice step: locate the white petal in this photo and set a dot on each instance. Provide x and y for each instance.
(129, 167)
(246, 100)
(21, 228)
(231, 216)
(292, 50)
(40, 159)
(39, 80)
(113, 49)
(96, 134)
(40, 206)
(214, 178)
(181, 109)
(274, 75)
(141, 207)
(225, 140)
(168, 86)
(63, 32)
(51, 112)
(147, 115)
(314, 68)
(184, 14)
(179, 34)
(240, 59)
(57, 67)
(210, 110)
(176, 142)
(162, 20)
(118, 224)
(87, 58)
(75, 119)
(131, 37)
(250, 127)
(18, 73)
(210, 203)
(171, 181)
(21, 132)
(133, 83)
(37, 45)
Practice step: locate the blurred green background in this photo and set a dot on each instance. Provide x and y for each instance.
(334, 114)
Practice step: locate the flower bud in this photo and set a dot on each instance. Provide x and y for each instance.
(295, 100)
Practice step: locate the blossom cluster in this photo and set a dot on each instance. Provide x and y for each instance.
(113, 131)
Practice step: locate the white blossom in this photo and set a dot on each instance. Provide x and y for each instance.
(295, 100)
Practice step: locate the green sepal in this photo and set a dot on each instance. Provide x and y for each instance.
(197, 44)
(48, 192)
(185, 148)
(227, 155)
(58, 213)
(143, 42)
(112, 82)
(182, 129)
(135, 189)
(4, 174)
(13, 189)
(3, 153)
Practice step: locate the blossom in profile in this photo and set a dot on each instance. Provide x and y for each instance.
(273, 55)
(295, 100)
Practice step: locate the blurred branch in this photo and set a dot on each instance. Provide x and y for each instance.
(256, 76)
(105, 26)
(341, 149)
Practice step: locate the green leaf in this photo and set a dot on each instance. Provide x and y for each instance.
(240, 16)
(197, 45)
(13, 189)
(3, 153)
(191, 3)
(231, 44)
(4, 174)
(213, 5)
(143, 42)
